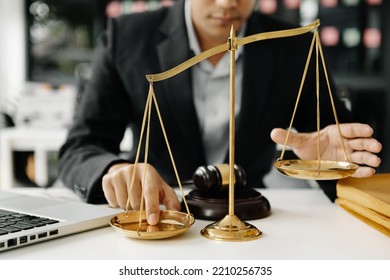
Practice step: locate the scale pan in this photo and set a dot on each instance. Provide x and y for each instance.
(316, 170)
(172, 223)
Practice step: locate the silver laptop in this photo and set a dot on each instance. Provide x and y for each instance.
(26, 220)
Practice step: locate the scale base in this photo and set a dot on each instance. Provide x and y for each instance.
(231, 228)
(248, 204)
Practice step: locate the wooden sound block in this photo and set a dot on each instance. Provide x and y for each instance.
(249, 204)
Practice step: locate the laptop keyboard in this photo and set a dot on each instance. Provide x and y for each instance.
(13, 222)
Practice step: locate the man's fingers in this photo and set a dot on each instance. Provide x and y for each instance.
(152, 205)
(365, 144)
(109, 192)
(354, 130)
(156, 192)
(152, 192)
(363, 172)
(119, 181)
(169, 198)
(116, 185)
(365, 158)
(278, 135)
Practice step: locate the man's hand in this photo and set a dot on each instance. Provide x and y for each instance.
(360, 147)
(116, 186)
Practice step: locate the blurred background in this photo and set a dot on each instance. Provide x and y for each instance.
(47, 46)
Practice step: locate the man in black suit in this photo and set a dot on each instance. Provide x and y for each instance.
(196, 122)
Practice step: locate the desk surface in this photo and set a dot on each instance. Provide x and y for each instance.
(304, 225)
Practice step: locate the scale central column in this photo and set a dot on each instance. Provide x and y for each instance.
(231, 228)
(232, 179)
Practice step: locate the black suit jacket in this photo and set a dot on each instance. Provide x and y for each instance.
(139, 44)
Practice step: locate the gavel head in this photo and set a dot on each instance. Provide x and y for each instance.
(212, 178)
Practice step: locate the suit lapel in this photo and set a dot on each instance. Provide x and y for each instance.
(172, 51)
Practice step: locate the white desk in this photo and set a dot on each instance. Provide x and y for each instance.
(304, 225)
(39, 141)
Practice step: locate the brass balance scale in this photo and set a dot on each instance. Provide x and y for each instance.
(132, 223)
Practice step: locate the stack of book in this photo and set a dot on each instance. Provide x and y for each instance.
(368, 199)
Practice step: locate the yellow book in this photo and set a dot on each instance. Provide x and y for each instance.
(370, 217)
(368, 199)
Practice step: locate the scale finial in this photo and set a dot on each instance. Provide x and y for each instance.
(232, 40)
(232, 32)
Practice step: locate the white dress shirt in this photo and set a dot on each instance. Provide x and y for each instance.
(211, 95)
